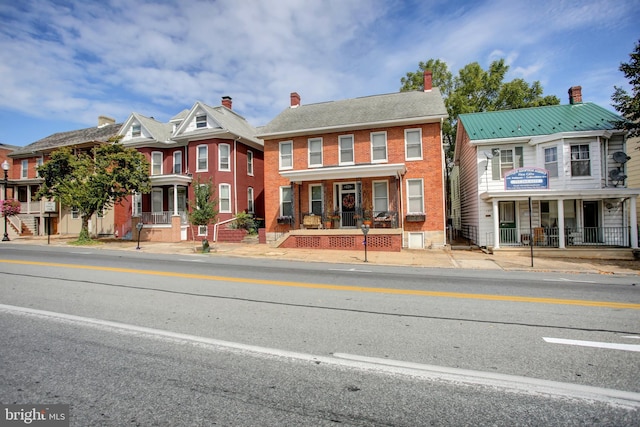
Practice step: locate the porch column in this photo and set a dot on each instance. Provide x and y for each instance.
(496, 225)
(633, 222)
(175, 199)
(561, 223)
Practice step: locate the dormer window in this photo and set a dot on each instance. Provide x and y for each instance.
(201, 121)
(136, 130)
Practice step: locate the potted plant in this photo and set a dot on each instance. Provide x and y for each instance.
(284, 219)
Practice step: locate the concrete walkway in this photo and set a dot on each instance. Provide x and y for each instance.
(431, 258)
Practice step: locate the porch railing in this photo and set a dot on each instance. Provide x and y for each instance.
(573, 237)
(353, 219)
(163, 218)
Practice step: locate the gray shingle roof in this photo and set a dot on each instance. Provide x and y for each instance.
(74, 137)
(159, 131)
(369, 110)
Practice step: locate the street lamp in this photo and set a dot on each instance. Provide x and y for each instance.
(365, 231)
(139, 228)
(5, 168)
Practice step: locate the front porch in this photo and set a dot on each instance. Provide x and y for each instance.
(378, 239)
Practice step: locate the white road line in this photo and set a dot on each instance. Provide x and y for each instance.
(510, 383)
(562, 279)
(596, 344)
(637, 337)
(350, 270)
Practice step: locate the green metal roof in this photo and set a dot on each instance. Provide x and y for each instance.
(527, 122)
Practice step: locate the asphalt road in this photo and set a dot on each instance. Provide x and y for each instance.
(165, 340)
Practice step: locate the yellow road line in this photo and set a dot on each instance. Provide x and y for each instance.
(415, 292)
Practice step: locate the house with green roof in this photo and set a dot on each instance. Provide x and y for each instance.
(203, 143)
(552, 177)
(375, 161)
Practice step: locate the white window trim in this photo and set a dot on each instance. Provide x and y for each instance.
(161, 162)
(24, 169)
(406, 148)
(220, 197)
(386, 149)
(280, 155)
(175, 153)
(578, 177)
(202, 230)
(353, 150)
(282, 201)
(310, 189)
(314, 165)
(160, 191)
(133, 131)
(373, 193)
(206, 121)
(206, 158)
(249, 162)
(557, 162)
(409, 196)
(228, 168)
(250, 200)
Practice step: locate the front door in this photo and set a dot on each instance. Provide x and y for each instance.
(348, 204)
(507, 222)
(591, 221)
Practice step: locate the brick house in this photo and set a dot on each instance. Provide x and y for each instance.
(554, 177)
(197, 145)
(332, 165)
(25, 183)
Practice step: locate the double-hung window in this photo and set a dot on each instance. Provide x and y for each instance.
(24, 169)
(249, 162)
(136, 130)
(224, 200)
(345, 143)
(286, 201)
(177, 162)
(415, 196)
(551, 161)
(39, 162)
(580, 161)
(315, 152)
(203, 162)
(378, 147)
(413, 144)
(315, 204)
(286, 155)
(201, 121)
(157, 197)
(223, 157)
(250, 200)
(156, 163)
(380, 196)
(504, 160)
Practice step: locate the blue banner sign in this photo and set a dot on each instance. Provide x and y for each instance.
(526, 179)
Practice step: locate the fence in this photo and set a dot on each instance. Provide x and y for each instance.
(573, 237)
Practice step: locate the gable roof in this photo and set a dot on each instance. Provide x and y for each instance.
(65, 139)
(358, 113)
(160, 132)
(538, 121)
(227, 124)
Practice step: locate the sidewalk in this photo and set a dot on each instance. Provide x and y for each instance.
(432, 258)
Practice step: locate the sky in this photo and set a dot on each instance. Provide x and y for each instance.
(64, 63)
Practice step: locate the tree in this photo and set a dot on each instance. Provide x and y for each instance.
(475, 90)
(93, 180)
(204, 209)
(626, 104)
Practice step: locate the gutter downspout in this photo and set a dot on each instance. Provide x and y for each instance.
(235, 176)
(445, 174)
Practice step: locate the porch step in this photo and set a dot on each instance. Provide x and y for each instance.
(251, 239)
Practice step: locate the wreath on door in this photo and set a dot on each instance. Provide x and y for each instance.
(349, 201)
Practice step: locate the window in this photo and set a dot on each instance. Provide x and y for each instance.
(580, 163)
(202, 230)
(378, 147)
(413, 144)
(551, 160)
(39, 162)
(136, 205)
(286, 201)
(156, 200)
(225, 198)
(380, 196)
(315, 152)
(504, 160)
(250, 201)
(156, 163)
(315, 202)
(177, 162)
(203, 162)
(136, 130)
(415, 196)
(346, 149)
(250, 162)
(24, 172)
(75, 213)
(201, 121)
(286, 155)
(223, 157)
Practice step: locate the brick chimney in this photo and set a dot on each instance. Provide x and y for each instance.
(226, 102)
(105, 120)
(428, 85)
(295, 99)
(575, 95)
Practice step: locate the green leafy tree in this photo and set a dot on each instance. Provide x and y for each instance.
(475, 90)
(204, 209)
(629, 104)
(93, 180)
